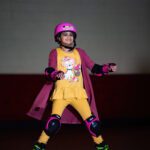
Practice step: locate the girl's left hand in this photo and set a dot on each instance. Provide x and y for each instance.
(112, 67)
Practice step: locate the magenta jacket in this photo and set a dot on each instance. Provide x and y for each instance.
(69, 115)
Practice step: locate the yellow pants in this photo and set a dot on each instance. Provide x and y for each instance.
(82, 107)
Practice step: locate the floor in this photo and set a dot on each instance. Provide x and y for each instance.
(74, 137)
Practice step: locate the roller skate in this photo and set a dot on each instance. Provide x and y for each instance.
(102, 146)
(39, 146)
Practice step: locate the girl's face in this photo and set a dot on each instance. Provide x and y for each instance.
(67, 38)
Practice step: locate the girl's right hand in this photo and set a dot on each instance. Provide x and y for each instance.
(60, 75)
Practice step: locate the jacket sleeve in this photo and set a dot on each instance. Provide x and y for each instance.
(52, 60)
(98, 70)
(89, 63)
(50, 71)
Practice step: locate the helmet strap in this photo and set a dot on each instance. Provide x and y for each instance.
(69, 47)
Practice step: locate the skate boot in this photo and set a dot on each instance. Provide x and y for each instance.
(102, 146)
(39, 146)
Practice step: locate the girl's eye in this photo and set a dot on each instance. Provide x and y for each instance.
(67, 34)
(70, 34)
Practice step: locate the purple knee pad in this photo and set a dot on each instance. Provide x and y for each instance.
(93, 125)
(52, 125)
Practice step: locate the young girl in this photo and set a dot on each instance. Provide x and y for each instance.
(69, 87)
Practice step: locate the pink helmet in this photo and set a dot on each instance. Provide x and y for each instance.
(65, 26)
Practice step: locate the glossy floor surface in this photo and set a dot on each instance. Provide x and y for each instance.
(75, 137)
